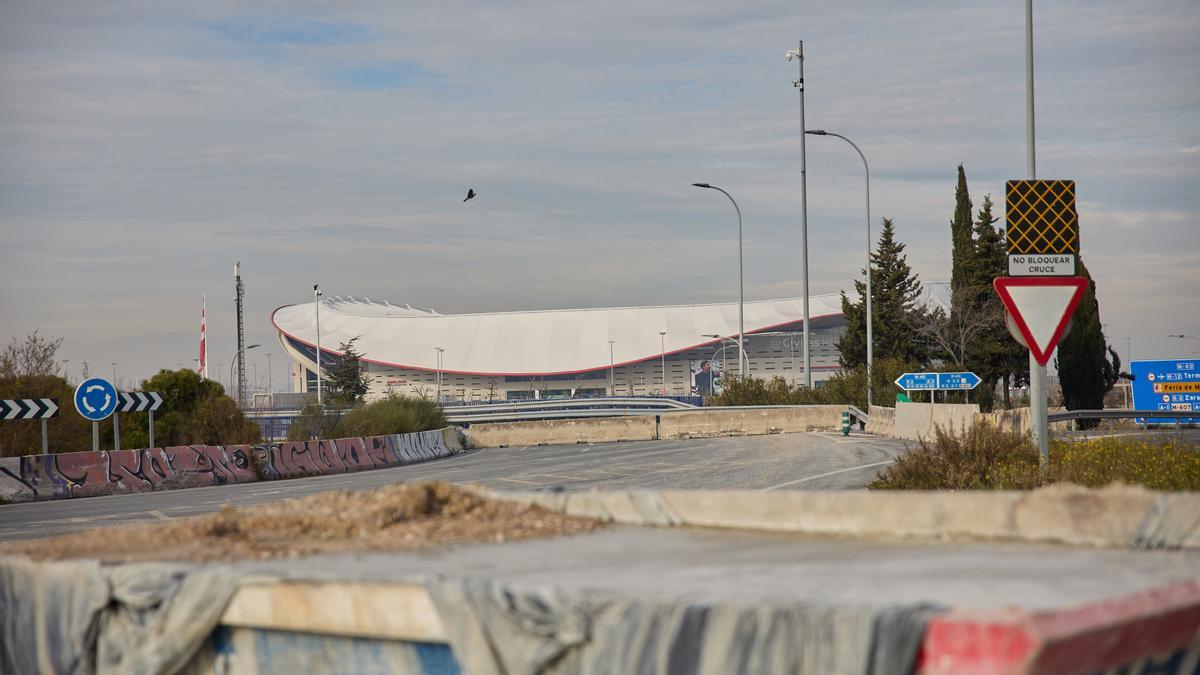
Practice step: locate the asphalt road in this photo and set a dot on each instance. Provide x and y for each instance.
(811, 461)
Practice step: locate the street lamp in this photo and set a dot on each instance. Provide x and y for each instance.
(741, 281)
(612, 378)
(1185, 337)
(438, 355)
(798, 54)
(234, 363)
(867, 171)
(114, 365)
(662, 338)
(317, 303)
(721, 349)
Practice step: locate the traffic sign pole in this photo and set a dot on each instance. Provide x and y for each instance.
(45, 439)
(95, 437)
(116, 431)
(151, 444)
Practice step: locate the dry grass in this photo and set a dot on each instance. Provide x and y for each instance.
(986, 458)
(398, 517)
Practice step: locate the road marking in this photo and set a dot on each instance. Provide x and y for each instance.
(514, 480)
(831, 473)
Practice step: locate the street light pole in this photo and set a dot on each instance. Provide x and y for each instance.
(798, 54)
(742, 366)
(234, 363)
(438, 354)
(867, 171)
(662, 337)
(612, 377)
(317, 302)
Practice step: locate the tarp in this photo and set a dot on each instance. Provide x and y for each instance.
(82, 617)
(495, 629)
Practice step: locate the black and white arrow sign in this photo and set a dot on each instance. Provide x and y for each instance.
(28, 408)
(139, 401)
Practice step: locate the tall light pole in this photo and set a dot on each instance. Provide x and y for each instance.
(270, 383)
(317, 303)
(662, 338)
(867, 171)
(798, 54)
(438, 355)
(741, 280)
(1038, 422)
(234, 362)
(612, 377)
(114, 365)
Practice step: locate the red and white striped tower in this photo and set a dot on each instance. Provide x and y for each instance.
(203, 367)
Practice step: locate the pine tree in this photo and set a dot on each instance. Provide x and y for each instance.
(962, 253)
(1087, 367)
(346, 381)
(894, 293)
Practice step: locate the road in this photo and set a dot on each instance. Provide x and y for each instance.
(811, 461)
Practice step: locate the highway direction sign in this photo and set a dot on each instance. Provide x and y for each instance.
(954, 381)
(1041, 227)
(1172, 384)
(96, 399)
(1040, 307)
(28, 408)
(917, 381)
(139, 401)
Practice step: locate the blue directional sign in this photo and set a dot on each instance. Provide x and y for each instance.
(917, 381)
(96, 399)
(958, 380)
(1172, 384)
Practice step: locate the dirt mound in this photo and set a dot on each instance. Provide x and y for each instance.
(397, 517)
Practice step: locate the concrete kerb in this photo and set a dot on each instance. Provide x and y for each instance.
(1116, 516)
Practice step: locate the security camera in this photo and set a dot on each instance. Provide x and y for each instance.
(790, 55)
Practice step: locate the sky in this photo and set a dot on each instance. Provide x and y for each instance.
(145, 147)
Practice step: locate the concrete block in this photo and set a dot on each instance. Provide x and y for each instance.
(547, 432)
(918, 420)
(751, 421)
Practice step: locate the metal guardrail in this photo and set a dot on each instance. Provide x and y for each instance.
(1121, 414)
(562, 409)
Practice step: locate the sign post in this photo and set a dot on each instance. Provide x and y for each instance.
(1041, 290)
(31, 409)
(95, 399)
(141, 401)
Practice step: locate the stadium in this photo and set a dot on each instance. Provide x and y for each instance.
(679, 350)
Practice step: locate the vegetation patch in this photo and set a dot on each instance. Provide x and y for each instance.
(987, 458)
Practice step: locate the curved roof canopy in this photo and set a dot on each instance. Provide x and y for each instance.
(533, 343)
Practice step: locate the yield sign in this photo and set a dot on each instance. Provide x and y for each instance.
(1041, 308)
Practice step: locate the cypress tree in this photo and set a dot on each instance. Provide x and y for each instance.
(962, 253)
(994, 354)
(894, 293)
(346, 381)
(1087, 366)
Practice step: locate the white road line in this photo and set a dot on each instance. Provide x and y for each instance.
(831, 473)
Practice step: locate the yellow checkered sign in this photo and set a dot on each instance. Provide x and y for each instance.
(1040, 217)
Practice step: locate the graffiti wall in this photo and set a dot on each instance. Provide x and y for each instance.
(88, 474)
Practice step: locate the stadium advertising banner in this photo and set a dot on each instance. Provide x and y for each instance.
(706, 377)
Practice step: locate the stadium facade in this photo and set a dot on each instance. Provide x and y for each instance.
(623, 351)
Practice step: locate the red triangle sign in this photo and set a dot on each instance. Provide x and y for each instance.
(1041, 308)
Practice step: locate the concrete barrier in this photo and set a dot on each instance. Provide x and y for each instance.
(704, 423)
(547, 432)
(1153, 631)
(918, 420)
(88, 474)
(750, 421)
(1114, 516)
(882, 421)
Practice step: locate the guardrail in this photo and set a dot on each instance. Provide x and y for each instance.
(1121, 414)
(562, 409)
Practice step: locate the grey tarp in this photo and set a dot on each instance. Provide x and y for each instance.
(499, 630)
(84, 617)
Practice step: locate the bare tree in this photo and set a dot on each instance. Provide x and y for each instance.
(951, 335)
(33, 356)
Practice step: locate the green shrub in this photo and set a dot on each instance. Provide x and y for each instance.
(393, 415)
(987, 458)
(846, 387)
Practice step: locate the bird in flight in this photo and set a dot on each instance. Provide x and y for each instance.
(470, 194)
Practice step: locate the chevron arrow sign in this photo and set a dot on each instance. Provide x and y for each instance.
(28, 408)
(139, 401)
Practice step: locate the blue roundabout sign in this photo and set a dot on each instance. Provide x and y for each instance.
(96, 399)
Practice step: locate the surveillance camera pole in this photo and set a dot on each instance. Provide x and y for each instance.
(798, 54)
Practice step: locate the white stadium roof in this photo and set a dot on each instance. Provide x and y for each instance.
(532, 343)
